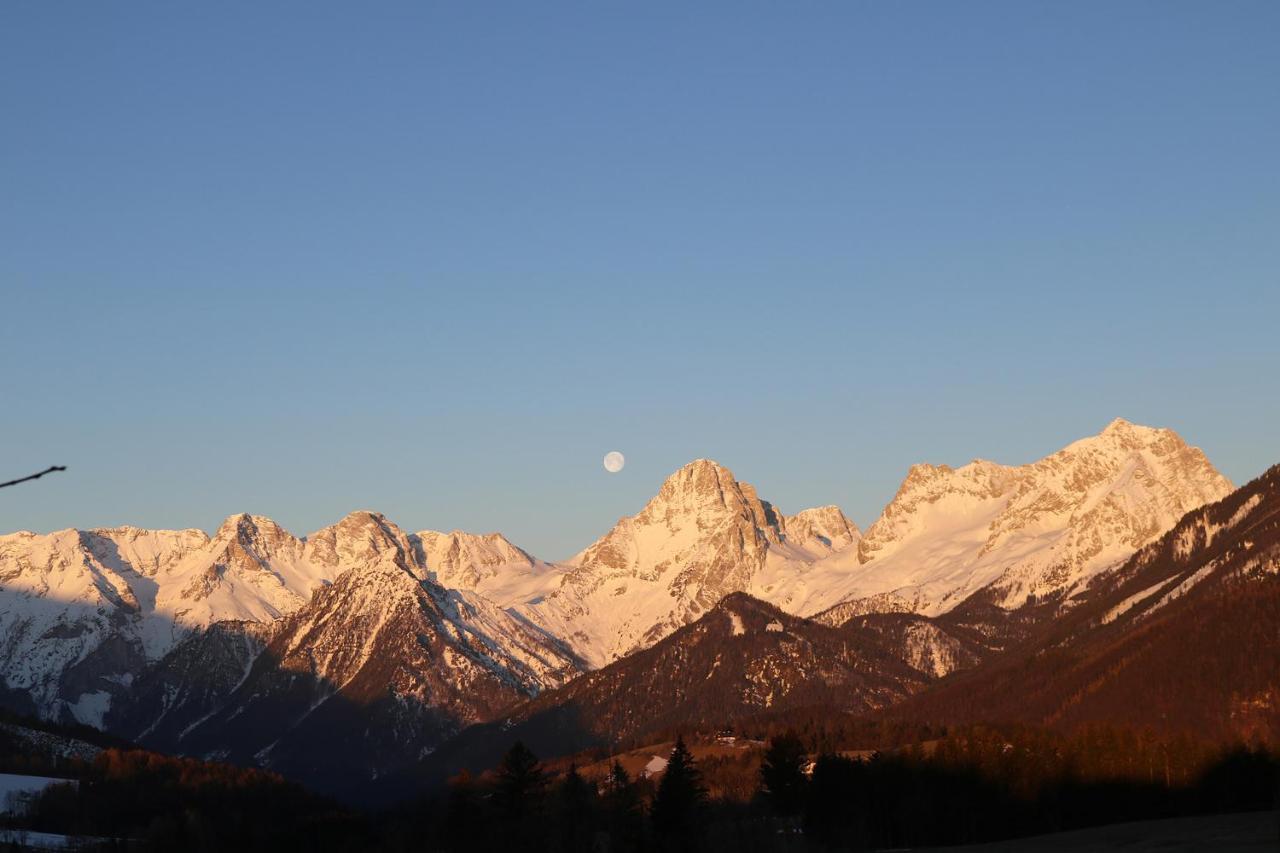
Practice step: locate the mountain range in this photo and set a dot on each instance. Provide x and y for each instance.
(361, 649)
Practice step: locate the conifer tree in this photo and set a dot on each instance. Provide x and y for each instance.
(520, 782)
(680, 801)
(623, 810)
(782, 778)
(575, 811)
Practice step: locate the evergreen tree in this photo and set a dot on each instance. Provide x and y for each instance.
(680, 801)
(782, 778)
(576, 800)
(623, 811)
(520, 783)
(462, 812)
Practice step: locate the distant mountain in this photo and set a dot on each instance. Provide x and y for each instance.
(1182, 637)
(1011, 535)
(1015, 533)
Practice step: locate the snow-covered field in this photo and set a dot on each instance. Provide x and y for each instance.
(14, 786)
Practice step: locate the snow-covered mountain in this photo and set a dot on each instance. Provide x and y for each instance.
(705, 535)
(486, 563)
(84, 613)
(78, 614)
(1015, 533)
(378, 667)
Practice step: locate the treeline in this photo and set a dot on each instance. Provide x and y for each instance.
(18, 754)
(146, 801)
(800, 790)
(978, 784)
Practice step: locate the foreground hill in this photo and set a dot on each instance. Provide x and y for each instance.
(743, 658)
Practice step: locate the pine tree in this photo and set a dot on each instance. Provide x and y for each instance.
(462, 811)
(680, 801)
(782, 778)
(576, 800)
(623, 811)
(520, 782)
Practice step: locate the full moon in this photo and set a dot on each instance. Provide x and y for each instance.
(613, 461)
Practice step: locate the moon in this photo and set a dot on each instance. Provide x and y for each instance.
(613, 461)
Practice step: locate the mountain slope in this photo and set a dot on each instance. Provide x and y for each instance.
(1182, 637)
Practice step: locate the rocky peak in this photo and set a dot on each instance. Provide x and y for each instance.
(826, 526)
(462, 560)
(707, 491)
(360, 540)
(257, 535)
(934, 486)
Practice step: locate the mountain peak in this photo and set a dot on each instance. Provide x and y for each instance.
(246, 524)
(700, 471)
(1118, 425)
(1133, 436)
(824, 525)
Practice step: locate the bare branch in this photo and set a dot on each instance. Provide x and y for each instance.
(48, 470)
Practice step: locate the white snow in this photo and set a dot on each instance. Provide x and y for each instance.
(656, 765)
(90, 708)
(42, 840)
(735, 622)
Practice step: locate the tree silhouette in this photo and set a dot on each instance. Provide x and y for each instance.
(782, 779)
(520, 782)
(680, 801)
(575, 807)
(623, 812)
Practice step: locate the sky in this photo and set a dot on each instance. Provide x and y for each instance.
(437, 259)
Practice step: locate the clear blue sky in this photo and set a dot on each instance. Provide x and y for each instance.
(437, 259)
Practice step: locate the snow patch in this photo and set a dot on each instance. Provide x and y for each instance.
(736, 622)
